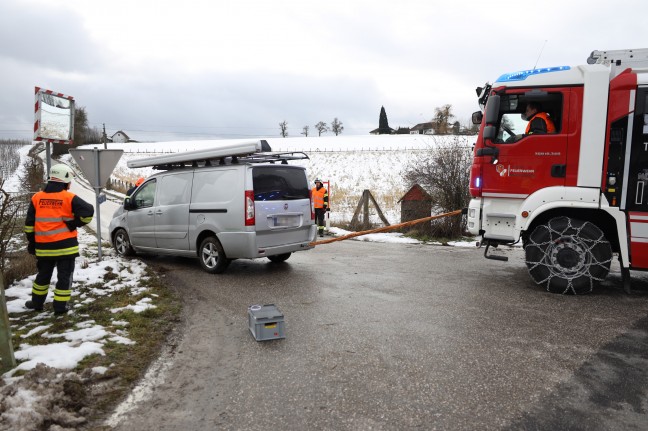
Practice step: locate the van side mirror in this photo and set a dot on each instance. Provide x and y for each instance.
(477, 117)
(127, 203)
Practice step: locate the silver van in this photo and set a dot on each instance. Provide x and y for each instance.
(218, 209)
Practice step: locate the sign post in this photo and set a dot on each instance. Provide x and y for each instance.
(97, 165)
(8, 360)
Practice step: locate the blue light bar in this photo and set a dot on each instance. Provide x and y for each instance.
(524, 74)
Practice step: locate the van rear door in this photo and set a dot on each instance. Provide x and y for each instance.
(282, 205)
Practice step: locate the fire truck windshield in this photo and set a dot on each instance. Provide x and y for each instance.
(510, 119)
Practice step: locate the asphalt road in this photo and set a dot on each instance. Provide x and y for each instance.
(396, 337)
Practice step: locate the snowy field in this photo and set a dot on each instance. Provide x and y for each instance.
(350, 164)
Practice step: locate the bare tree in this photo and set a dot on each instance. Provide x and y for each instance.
(336, 126)
(444, 171)
(305, 131)
(9, 208)
(471, 128)
(32, 178)
(321, 128)
(442, 117)
(284, 128)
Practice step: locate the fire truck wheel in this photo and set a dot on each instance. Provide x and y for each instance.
(568, 256)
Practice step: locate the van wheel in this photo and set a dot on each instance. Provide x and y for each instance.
(568, 256)
(278, 258)
(122, 243)
(212, 257)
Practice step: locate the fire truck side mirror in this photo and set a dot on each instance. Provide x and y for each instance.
(490, 132)
(477, 117)
(492, 109)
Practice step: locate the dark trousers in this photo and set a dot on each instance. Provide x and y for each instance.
(319, 219)
(63, 289)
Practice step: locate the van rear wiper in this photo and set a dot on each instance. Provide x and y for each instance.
(287, 196)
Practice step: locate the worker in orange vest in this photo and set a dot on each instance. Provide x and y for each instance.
(321, 204)
(51, 224)
(539, 122)
(137, 184)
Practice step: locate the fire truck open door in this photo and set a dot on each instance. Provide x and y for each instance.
(634, 198)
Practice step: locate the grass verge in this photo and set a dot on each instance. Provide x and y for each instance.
(123, 363)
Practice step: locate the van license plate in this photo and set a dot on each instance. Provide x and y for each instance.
(281, 221)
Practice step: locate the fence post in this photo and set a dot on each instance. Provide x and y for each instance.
(6, 348)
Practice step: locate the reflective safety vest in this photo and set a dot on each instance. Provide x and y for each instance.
(320, 197)
(550, 125)
(52, 211)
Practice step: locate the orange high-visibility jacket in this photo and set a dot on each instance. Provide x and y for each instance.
(52, 211)
(542, 115)
(320, 197)
(52, 219)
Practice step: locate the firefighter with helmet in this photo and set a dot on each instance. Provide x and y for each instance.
(320, 203)
(51, 228)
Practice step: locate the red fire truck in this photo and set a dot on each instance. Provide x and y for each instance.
(575, 197)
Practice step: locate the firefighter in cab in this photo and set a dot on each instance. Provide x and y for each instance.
(539, 121)
(51, 227)
(320, 203)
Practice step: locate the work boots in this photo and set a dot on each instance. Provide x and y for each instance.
(59, 306)
(34, 305)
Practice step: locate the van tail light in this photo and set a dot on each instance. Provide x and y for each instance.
(310, 196)
(249, 208)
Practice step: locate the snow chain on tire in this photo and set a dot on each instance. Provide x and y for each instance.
(568, 256)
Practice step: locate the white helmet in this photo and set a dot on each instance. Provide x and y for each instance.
(61, 173)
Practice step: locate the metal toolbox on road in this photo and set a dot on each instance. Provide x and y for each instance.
(266, 322)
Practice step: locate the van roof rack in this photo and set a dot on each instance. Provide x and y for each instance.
(275, 157)
(221, 153)
(215, 151)
(282, 158)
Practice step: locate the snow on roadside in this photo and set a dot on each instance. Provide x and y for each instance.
(13, 183)
(89, 337)
(31, 399)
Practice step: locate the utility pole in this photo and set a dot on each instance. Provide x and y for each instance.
(104, 138)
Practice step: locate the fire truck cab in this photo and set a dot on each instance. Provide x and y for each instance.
(574, 197)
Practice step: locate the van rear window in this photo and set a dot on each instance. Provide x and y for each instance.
(279, 183)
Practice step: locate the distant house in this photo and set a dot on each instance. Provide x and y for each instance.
(121, 137)
(382, 131)
(424, 129)
(403, 131)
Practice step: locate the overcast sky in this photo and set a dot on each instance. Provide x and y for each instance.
(238, 68)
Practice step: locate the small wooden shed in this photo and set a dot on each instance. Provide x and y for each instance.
(416, 204)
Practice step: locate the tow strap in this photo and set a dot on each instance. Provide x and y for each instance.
(387, 228)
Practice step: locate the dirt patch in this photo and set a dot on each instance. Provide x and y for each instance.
(45, 399)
